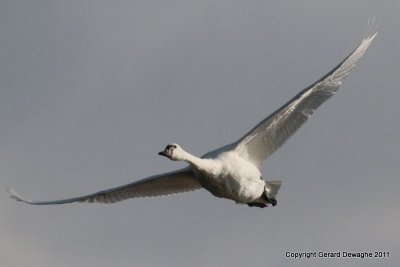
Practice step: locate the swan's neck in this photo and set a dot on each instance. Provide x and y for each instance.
(206, 166)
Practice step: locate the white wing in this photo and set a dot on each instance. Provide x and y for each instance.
(157, 185)
(271, 133)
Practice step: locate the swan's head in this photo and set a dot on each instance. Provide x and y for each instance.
(173, 152)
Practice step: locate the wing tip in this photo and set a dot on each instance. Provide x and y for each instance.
(368, 40)
(365, 43)
(17, 197)
(372, 29)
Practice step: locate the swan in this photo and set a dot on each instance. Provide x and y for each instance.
(232, 171)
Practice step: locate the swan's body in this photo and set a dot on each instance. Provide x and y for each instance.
(231, 176)
(232, 171)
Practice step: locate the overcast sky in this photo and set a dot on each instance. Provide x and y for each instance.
(90, 91)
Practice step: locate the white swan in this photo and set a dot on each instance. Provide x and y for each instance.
(232, 171)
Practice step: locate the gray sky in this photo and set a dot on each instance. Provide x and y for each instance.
(92, 90)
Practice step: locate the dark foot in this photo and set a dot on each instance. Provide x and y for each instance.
(270, 200)
(273, 201)
(255, 204)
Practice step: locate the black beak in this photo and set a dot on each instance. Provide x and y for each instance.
(163, 153)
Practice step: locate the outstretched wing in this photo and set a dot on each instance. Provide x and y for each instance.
(158, 185)
(271, 133)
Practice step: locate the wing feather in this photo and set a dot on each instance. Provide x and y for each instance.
(158, 185)
(271, 133)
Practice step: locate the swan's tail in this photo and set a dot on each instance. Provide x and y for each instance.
(272, 188)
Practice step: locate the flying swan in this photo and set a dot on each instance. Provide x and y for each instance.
(232, 171)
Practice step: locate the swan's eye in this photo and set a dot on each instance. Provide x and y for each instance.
(170, 147)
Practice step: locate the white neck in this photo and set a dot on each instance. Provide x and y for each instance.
(203, 165)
